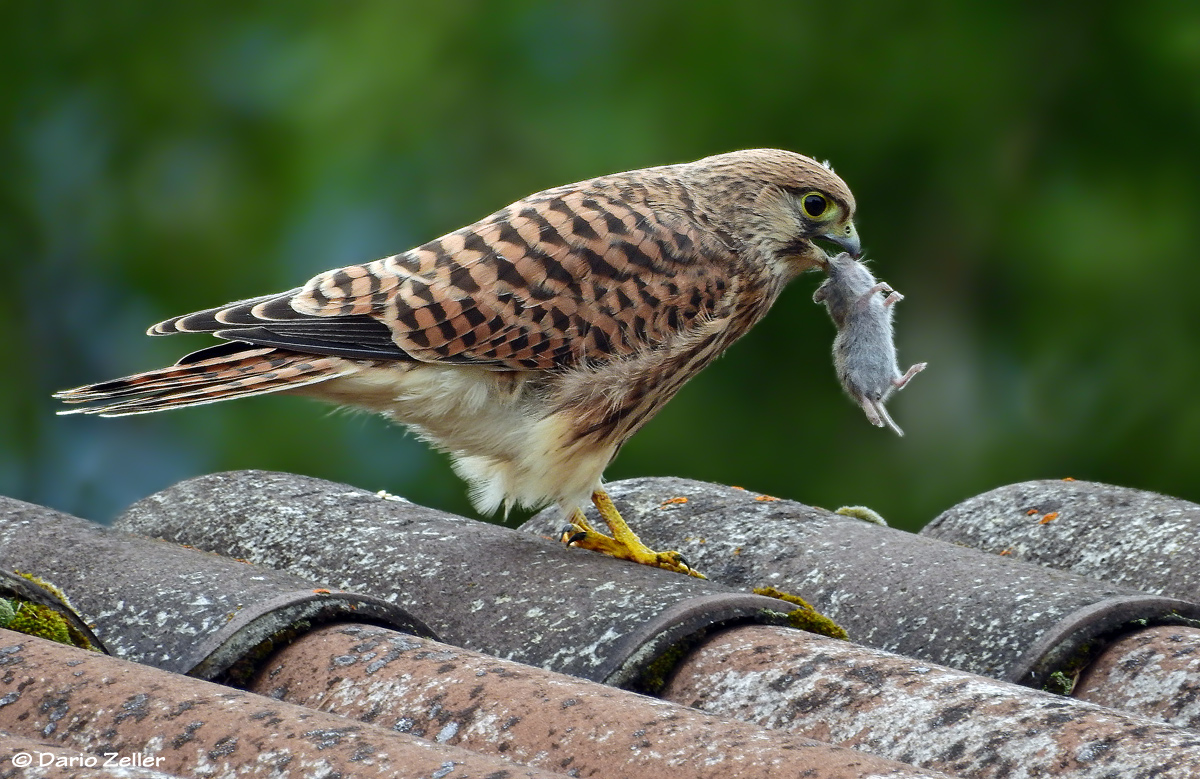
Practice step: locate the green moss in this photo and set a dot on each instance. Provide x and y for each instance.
(1063, 680)
(657, 673)
(1175, 618)
(1060, 683)
(80, 640)
(34, 619)
(806, 617)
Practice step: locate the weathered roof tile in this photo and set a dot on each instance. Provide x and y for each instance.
(492, 590)
(170, 607)
(99, 704)
(477, 585)
(890, 589)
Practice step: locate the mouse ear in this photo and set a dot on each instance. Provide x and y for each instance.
(822, 292)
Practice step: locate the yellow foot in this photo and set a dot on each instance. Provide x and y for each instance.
(623, 543)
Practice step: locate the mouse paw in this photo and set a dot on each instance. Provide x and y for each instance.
(913, 371)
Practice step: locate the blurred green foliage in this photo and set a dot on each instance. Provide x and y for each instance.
(1028, 174)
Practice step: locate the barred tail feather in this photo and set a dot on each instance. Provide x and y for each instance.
(239, 374)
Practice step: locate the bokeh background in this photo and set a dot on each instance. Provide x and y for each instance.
(1028, 175)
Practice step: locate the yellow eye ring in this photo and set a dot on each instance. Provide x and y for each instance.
(814, 205)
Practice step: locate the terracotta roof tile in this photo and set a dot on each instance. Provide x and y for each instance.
(476, 585)
(97, 704)
(497, 593)
(174, 608)
(1115, 534)
(893, 590)
(468, 699)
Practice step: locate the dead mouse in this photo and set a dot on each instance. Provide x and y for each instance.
(863, 351)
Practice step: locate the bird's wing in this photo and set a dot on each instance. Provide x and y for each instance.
(563, 277)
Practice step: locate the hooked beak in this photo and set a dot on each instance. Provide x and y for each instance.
(846, 238)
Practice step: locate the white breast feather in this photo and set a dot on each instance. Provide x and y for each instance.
(519, 455)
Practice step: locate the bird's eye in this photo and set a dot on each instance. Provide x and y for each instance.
(814, 204)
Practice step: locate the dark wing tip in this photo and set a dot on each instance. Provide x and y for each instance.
(272, 308)
(356, 337)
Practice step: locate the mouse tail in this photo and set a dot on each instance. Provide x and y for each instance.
(879, 416)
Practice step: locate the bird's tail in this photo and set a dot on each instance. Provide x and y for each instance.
(222, 372)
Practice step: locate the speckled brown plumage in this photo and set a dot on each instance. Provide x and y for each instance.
(533, 343)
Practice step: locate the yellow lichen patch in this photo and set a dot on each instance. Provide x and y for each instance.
(806, 617)
(1053, 515)
(672, 502)
(48, 587)
(864, 513)
(766, 498)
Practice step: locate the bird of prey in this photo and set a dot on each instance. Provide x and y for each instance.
(533, 343)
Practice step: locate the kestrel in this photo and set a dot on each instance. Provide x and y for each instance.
(533, 343)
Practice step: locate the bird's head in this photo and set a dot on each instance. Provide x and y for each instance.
(785, 205)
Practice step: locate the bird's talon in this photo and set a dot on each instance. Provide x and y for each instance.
(679, 563)
(623, 544)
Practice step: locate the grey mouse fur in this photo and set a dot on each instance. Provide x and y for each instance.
(863, 351)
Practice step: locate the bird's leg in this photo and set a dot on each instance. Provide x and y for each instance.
(624, 543)
(634, 548)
